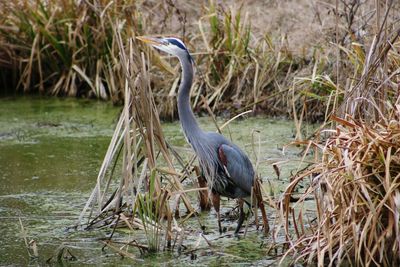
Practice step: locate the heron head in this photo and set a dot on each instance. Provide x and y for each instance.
(173, 46)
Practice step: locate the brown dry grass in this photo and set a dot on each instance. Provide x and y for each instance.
(355, 180)
(142, 198)
(316, 60)
(356, 188)
(52, 52)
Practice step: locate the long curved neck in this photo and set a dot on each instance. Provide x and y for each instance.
(186, 116)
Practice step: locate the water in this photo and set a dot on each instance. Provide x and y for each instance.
(50, 153)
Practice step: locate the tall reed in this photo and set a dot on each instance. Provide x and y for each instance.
(68, 48)
(142, 197)
(65, 47)
(355, 182)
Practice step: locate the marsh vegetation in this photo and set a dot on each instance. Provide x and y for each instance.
(331, 62)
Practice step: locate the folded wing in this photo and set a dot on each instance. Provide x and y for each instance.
(238, 166)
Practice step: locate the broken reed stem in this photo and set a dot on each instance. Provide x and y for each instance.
(30, 246)
(260, 204)
(356, 188)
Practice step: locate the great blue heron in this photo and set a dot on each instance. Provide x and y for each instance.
(226, 167)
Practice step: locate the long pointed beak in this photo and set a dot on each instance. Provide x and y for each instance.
(150, 40)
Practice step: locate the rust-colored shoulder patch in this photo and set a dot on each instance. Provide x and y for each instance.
(221, 156)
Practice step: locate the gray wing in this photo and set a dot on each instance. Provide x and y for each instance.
(238, 166)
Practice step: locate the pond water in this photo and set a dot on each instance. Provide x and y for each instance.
(50, 153)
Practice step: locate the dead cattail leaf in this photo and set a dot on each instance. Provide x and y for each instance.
(276, 169)
(356, 193)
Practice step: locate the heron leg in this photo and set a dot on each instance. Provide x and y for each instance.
(241, 216)
(216, 203)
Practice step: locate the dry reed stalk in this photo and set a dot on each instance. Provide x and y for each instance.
(357, 192)
(68, 48)
(356, 182)
(365, 99)
(140, 196)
